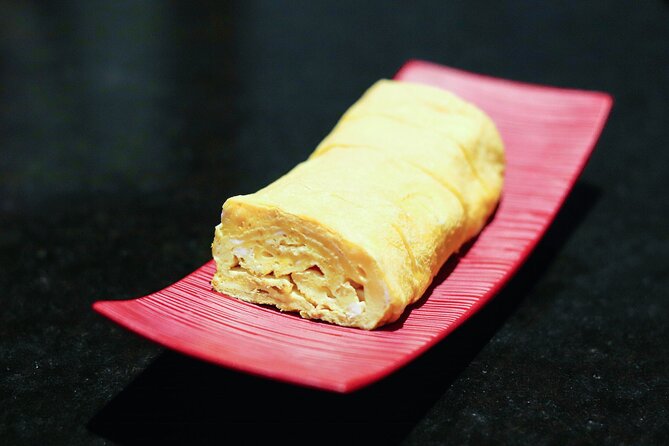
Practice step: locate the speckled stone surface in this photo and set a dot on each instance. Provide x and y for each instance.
(124, 125)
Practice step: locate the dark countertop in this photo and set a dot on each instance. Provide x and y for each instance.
(126, 124)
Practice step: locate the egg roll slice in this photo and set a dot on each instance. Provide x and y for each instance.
(351, 237)
(358, 231)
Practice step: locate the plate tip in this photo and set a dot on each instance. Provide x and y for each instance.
(608, 99)
(101, 306)
(408, 65)
(414, 61)
(98, 307)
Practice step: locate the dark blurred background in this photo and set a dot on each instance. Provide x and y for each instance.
(125, 124)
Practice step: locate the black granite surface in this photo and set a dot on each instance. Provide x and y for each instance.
(125, 124)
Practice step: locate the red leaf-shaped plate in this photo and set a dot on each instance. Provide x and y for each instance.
(549, 134)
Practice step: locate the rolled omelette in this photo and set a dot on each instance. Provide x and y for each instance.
(357, 232)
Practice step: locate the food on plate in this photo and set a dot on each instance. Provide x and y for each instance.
(357, 232)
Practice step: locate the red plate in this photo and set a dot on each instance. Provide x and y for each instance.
(549, 134)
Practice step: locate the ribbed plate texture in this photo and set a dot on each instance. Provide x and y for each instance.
(549, 134)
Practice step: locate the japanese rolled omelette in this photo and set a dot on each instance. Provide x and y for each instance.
(356, 233)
